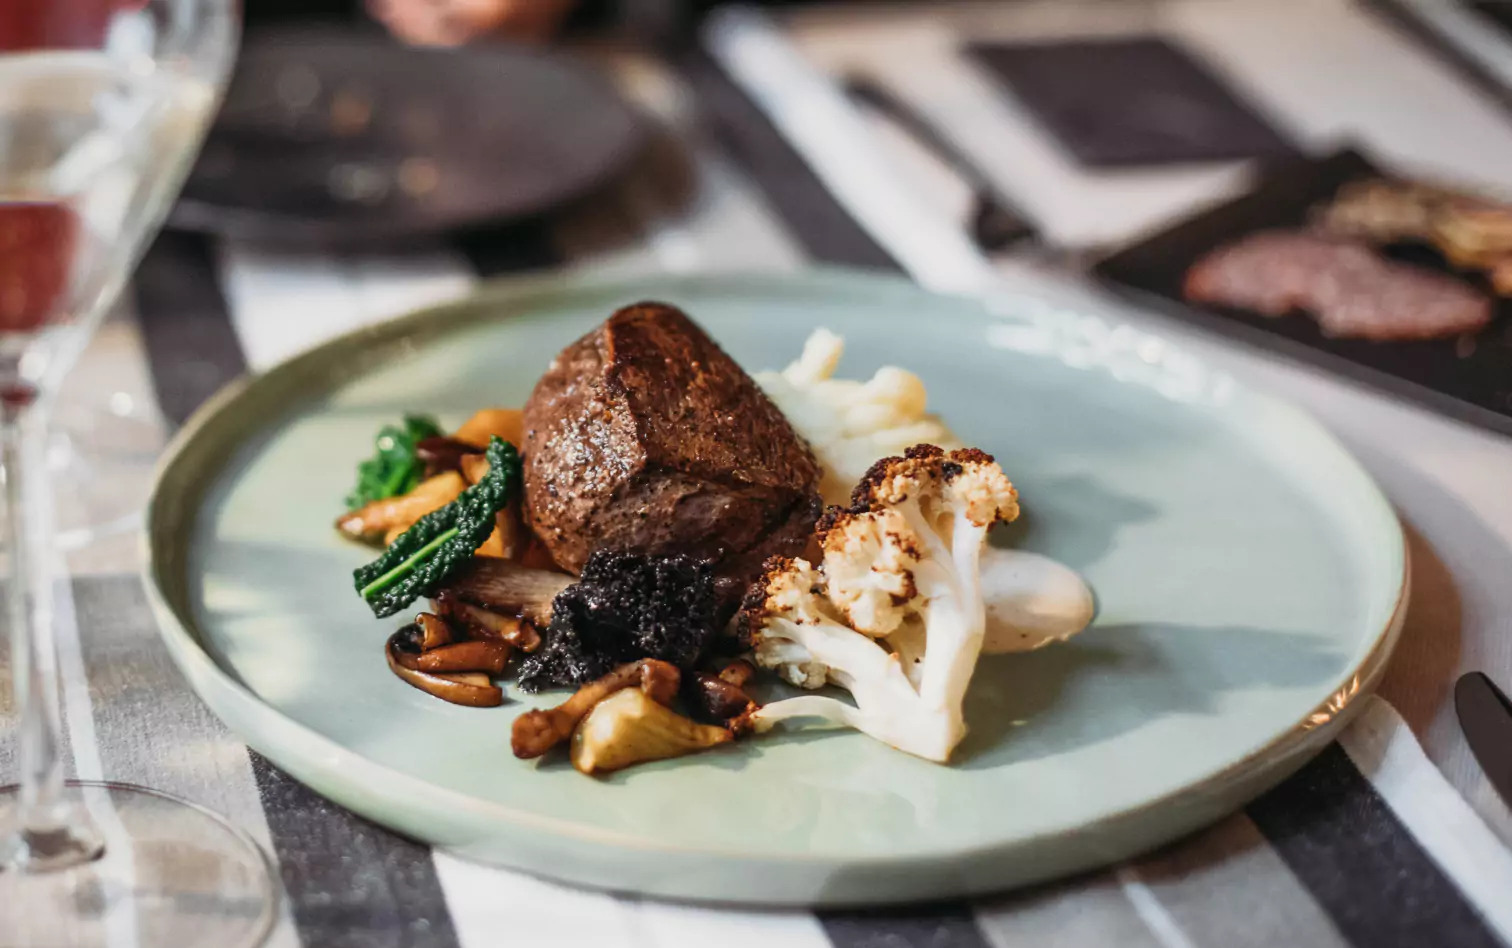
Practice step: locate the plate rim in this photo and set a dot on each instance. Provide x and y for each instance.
(305, 751)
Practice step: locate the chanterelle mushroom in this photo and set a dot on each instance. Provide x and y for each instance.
(629, 728)
(536, 732)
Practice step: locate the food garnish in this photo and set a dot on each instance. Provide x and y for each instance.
(536, 732)
(894, 614)
(393, 469)
(625, 606)
(629, 728)
(441, 542)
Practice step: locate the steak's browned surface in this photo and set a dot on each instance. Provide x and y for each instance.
(644, 436)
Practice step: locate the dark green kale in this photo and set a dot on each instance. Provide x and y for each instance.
(394, 468)
(420, 560)
(626, 606)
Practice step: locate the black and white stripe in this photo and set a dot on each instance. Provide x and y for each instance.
(1358, 860)
(351, 883)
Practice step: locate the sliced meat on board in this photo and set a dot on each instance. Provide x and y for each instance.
(1350, 290)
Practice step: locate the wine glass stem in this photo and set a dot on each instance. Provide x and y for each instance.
(50, 832)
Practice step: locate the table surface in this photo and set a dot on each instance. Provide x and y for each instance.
(1322, 69)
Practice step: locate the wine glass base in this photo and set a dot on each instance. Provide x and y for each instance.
(172, 873)
(74, 841)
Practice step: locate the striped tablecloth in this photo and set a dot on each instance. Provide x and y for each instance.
(1391, 837)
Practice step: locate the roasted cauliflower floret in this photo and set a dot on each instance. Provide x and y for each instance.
(894, 614)
(791, 609)
(869, 563)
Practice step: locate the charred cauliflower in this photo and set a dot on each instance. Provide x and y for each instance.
(894, 614)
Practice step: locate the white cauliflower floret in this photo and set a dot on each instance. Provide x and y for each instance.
(895, 614)
(869, 570)
(851, 424)
(789, 595)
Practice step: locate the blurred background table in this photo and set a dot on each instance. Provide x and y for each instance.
(1332, 857)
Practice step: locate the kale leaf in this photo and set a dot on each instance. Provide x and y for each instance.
(394, 468)
(421, 559)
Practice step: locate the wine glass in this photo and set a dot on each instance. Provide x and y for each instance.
(102, 105)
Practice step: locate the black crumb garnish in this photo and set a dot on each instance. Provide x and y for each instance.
(624, 607)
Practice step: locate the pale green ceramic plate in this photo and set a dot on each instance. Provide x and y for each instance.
(1250, 580)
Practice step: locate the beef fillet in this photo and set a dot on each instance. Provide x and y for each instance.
(645, 437)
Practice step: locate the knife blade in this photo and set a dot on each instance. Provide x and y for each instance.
(1485, 715)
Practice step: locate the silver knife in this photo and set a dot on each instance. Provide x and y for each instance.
(1485, 715)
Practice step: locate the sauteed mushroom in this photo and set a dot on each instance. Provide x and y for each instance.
(503, 586)
(472, 689)
(476, 656)
(629, 728)
(486, 624)
(712, 698)
(434, 631)
(536, 732)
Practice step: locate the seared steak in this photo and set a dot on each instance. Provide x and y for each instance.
(644, 436)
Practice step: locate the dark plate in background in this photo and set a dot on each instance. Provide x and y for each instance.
(1468, 378)
(334, 137)
(1131, 102)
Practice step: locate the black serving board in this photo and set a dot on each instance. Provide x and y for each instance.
(1469, 378)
